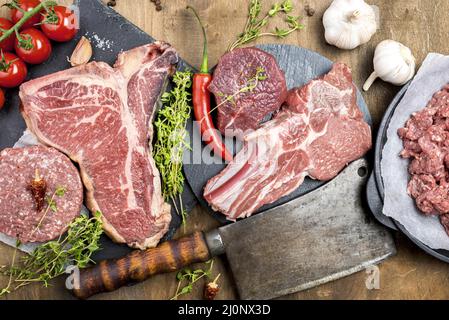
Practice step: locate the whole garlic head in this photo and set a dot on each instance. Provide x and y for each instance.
(393, 63)
(349, 23)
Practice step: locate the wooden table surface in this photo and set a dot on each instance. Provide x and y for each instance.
(420, 24)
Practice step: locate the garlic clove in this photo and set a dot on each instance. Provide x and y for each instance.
(82, 53)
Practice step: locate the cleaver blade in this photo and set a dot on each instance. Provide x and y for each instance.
(317, 238)
(320, 237)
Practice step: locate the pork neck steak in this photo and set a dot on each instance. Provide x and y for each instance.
(240, 109)
(101, 117)
(317, 133)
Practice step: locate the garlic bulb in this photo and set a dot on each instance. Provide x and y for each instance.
(393, 62)
(349, 23)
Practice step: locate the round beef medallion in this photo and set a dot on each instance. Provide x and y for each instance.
(40, 193)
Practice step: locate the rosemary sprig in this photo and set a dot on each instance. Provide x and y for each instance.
(254, 25)
(51, 259)
(170, 134)
(187, 278)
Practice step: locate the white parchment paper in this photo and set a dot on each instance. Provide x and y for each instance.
(432, 76)
(28, 139)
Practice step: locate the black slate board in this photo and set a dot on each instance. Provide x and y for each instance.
(101, 24)
(300, 66)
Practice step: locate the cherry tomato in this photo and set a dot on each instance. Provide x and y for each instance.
(13, 70)
(66, 26)
(26, 5)
(8, 43)
(34, 47)
(2, 99)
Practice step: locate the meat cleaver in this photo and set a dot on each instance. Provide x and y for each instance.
(314, 239)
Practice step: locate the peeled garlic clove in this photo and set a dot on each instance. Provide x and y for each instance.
(349, 23)
(393, 63)
(82, 53)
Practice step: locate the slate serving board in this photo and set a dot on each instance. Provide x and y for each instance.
(110, 33)
(300, 66)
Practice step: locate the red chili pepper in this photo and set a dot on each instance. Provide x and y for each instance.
(201, 104)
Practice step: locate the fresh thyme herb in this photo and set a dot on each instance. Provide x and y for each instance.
(7, 289)
(51, 259)
(187, 278)
(170, 144)
(60, 192)
(254, 26)
(249, 86)
(51, 204)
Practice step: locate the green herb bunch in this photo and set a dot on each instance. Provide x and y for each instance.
(52, 258)
(255, 25)
(187, 278)
(249, 86)
(171, 138)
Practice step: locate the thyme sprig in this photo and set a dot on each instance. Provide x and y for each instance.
(50, 260)
(60, 192)
(187, 278)
(254, 25)
(170, 139)
(249, 86)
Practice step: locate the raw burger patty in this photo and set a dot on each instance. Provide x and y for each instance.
(246, 110)
(426, 144)
(18, 215)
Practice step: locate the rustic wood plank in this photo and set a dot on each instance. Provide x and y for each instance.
(420, 24)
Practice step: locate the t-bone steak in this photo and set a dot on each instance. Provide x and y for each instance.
(241, 109)
(19, 217)
(101, 117)
(317, 133)
(426, 144)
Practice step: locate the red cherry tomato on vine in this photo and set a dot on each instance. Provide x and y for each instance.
(26, 5)
(2, 99)
(7, 44)
(33, 46)
(13, 70)
(60, 24)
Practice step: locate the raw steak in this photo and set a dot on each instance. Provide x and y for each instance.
(247, 109)
(317, 133)
(426, 144)
(101, 117)
(19, 217)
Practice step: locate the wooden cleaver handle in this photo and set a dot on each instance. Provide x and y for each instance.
(110, 275)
